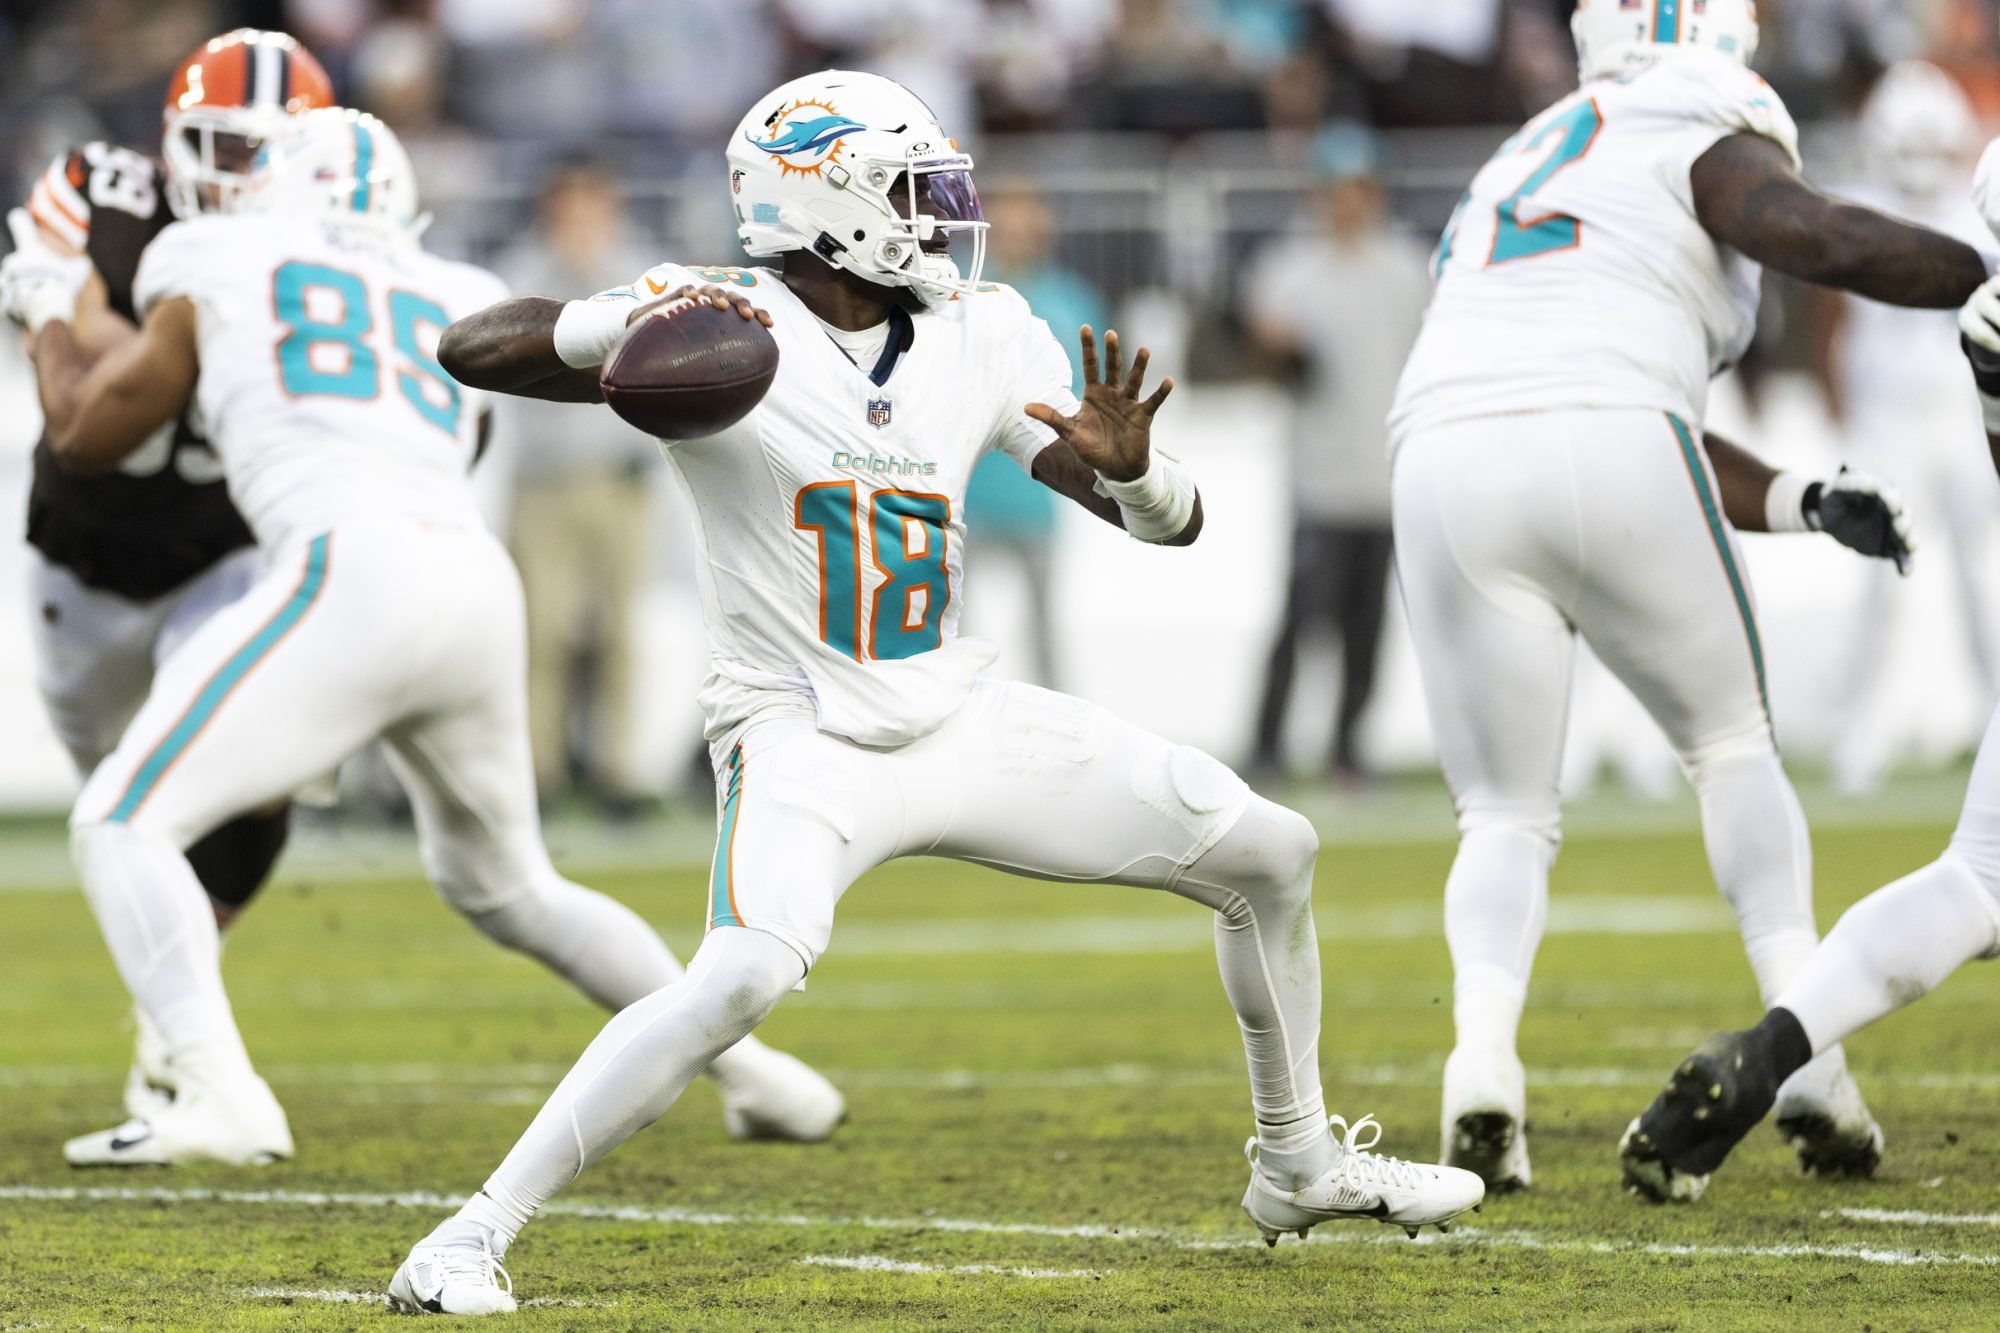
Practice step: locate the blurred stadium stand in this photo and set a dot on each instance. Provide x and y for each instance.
(1170, 139)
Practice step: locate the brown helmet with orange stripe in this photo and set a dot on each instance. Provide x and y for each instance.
(222, 105)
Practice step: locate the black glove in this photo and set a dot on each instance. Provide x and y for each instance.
(1864, 515)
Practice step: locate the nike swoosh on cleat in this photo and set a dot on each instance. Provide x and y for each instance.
(120, 1145)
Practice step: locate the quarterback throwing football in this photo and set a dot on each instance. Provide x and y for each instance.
(849, 722)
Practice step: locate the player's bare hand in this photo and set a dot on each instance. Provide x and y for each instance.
(722, 298)
(1112, 431)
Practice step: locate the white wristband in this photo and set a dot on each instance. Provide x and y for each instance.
(586, 331)
(1158, 503)
(1785, 503)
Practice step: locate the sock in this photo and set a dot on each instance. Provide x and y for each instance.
(1496, 905)
(1891, 948)
(161, 932)
(1786, 1047)
(1258, 879)
(634, 1070)
(1761, 856)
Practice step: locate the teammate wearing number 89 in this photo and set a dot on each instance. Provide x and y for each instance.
(1552, 478)
(302, 321)
(849, 722)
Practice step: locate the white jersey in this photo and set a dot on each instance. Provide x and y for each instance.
(831, 520)
(1575, 273)
(320, 386)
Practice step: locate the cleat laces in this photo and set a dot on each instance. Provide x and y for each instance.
(1360, 1167)
(458, 1265)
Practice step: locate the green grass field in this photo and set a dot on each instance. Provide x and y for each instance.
(1047, 1111)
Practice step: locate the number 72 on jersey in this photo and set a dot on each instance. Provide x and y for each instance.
(1517, 232)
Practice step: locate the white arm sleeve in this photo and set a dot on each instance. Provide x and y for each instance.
(587, 330)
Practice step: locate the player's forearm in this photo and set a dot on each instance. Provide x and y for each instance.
(1058, 468)
(1749, 196)
(60, 367)
(1744, 481)
(511, 348)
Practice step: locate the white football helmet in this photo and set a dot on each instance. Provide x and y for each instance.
(1611, 34)
(1918, 130)
(335, 165)
(856, 169)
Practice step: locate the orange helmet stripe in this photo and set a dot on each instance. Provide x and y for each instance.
(250, 68)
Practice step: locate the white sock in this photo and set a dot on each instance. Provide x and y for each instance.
(1258, 879)
(156, 920)
(1496, 905)
(634, 1070)
(1891, 948)
(1761, 856)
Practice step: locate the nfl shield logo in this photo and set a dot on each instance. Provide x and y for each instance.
(878, 412)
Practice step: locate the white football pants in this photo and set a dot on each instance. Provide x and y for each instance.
(394, 629)
(1019, 778)
(95, 652)
(1516, 534)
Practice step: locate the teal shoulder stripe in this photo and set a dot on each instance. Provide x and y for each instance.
(721, 902)
(1667, 21)
(1691, 455)
(222, 683)
(364, 163)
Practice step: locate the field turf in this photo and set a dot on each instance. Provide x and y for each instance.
(1047, 1111)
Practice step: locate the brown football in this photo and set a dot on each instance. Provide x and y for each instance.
(689, 370)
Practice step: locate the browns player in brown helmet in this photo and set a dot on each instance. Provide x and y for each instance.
(126, 565)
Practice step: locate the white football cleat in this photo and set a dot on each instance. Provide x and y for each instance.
(462, 1278)
(1485, 1118)
(1821, 1114)
(149, 1084)
(768, 1095)
(239, 1124)
(1361, 1185)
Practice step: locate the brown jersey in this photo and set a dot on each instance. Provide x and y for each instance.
(164, 516)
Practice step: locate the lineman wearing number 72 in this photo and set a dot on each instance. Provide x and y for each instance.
(1552, 479)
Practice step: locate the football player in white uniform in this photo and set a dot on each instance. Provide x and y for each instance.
(849, 722)
(1552, 479)
(126, 564)
(301, 320)
(1890, 949)
(1892, 380)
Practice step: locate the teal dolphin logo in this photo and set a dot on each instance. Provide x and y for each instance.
(810, 136)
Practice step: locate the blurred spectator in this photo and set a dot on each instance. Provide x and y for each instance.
(582, 512)
(1034, 51)
(1341, 304)
(1431, 63)
(1166, 70)
(1007, 512)
(1891, 383)
(928, 46)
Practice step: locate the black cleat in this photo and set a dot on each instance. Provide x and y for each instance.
(1715, 1098)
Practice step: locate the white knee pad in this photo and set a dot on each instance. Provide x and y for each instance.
(1264, 862)
(751, 969)
(1537, 820)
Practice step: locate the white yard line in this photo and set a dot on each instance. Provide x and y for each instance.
(379, 1298)
(1469, 1237)
(517, 1084)
(1904, 1218)
(880, 1263)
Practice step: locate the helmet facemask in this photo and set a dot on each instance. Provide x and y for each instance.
(907, 233)
(212, 154)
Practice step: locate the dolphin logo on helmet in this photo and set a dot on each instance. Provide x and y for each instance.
(809, 130)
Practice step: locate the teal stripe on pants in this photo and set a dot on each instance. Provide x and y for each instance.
(222, 682)
(1691, 455)
(722, 874)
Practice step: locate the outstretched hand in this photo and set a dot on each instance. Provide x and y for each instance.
(1866, 515)
(1112, 429)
